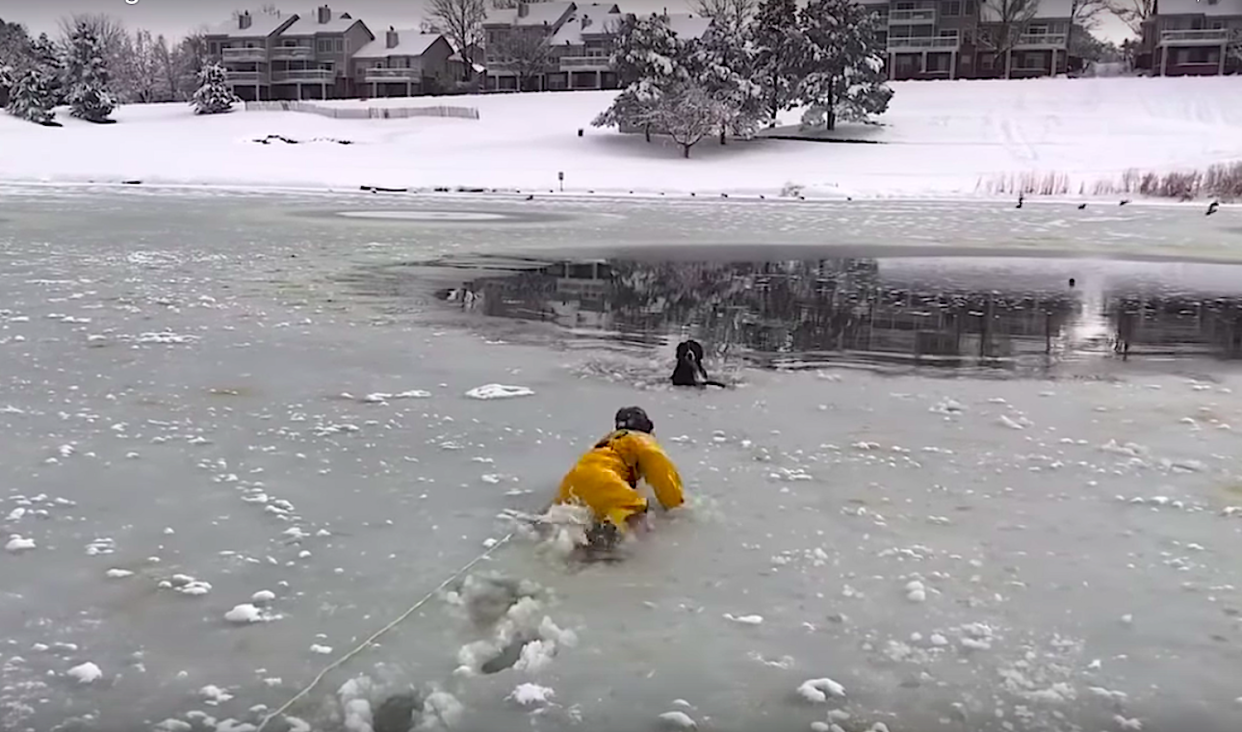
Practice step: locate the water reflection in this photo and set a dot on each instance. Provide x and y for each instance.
(965, 312)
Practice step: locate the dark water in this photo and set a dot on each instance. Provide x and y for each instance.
(996, 314)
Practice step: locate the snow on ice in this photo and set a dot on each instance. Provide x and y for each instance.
(499, 391)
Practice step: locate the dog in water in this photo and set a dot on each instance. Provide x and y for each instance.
(689, 370)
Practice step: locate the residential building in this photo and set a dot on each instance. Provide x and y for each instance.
(311, 57)
(501, 28)
(243, 45)
(293, 56)
(959, 39)
(1192, 38)
(579, 44)
(405, 63)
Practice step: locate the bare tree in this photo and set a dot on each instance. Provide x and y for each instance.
(165, 68)
(728, 15)
(688, 114)
(526, 52)
(462, 23)
(429, 26)
(141, 69)
(1133, 12)
(1087, 13)
(1002, 23)
(110, 32)
(188, 60)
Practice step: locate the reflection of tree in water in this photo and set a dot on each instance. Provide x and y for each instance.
(831, 305)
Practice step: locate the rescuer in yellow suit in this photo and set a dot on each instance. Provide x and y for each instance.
(605, 479)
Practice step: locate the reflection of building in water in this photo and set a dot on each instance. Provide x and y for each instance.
(832, 305)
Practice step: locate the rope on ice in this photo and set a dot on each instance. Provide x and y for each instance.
(375, 636)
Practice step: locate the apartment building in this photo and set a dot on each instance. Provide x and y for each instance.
(1192, 38)
(579, 44)
(973, 39)
(405, 63)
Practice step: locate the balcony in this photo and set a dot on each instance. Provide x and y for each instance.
(392, 75)
(293, 53)
(586, 63)
(245, 77)
(924, 43)
(243, 54)
(1214, 37)
(922, 16)
(298, 76)
(1041, 41)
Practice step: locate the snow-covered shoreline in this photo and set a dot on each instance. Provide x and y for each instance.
(944, 140)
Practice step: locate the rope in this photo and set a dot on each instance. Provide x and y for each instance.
(366, 643)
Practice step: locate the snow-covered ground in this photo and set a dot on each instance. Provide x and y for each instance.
(205, 503)
(941, 138)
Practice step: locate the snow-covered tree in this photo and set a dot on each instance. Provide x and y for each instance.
(780, 53)
(30, 97)
(723, 64)
(48, 56)
(728, 16)
(687, 113)
(87, 78)
(137, 72)
(847, 82)
(648, 59)
(214, 95)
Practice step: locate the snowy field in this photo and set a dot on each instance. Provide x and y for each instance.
(196, 438)
(941, 139)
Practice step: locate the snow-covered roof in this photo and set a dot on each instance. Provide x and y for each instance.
(688, 26)
(587, 18)
(262, 25)
(308, 24)
(410, 42)
(544, 13)
(990, 11)
(1199, 7)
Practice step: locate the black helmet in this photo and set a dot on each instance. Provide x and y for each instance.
(634, 418)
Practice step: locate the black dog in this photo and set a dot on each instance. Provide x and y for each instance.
(690, 366)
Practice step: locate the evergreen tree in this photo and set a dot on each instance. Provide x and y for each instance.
(780, 54)
(87, 79)
(847, 81)
(214, 95)
(30, 97)
(723, 64)
(45, 54)
(648, 59)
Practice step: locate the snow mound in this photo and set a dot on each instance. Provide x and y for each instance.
(532, 694)
(17, 544)
(499, 391)
(818, 690)
(678, 720)
(85, 673)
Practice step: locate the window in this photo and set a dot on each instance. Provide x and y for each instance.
(972, 8)
(938, 62)
(340, 45)
(1032, 60)
(951, 9)
(1036, 30)
(949, 33)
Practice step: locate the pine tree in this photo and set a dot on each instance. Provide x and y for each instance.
(87, 77)
(780, 54)
(30, 97)
(847, 81)
(214, 95)
(647, 58)
(723, 64)
(45, 54)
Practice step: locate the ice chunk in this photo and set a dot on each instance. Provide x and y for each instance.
(381, 397)
(322, 650)
(1124, 723)
(263, 596)
(213, 694)
(85, 673)
(118, 573)
(245, 613)
(745, 619)
(531, 694)
(678, 720)
(173, 725)
(17, 544)
(818, 690)
(499, 391)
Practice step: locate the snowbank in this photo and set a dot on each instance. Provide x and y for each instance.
(942, 139)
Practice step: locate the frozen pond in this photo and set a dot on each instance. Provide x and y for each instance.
(190, 412)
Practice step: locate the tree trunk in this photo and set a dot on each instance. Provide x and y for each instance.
(685, 149)
(830, 114)
(647, 131)
(722, 136)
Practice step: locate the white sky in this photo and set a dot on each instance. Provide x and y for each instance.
(174, 18)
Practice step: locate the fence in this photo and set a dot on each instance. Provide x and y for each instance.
(363, 112)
